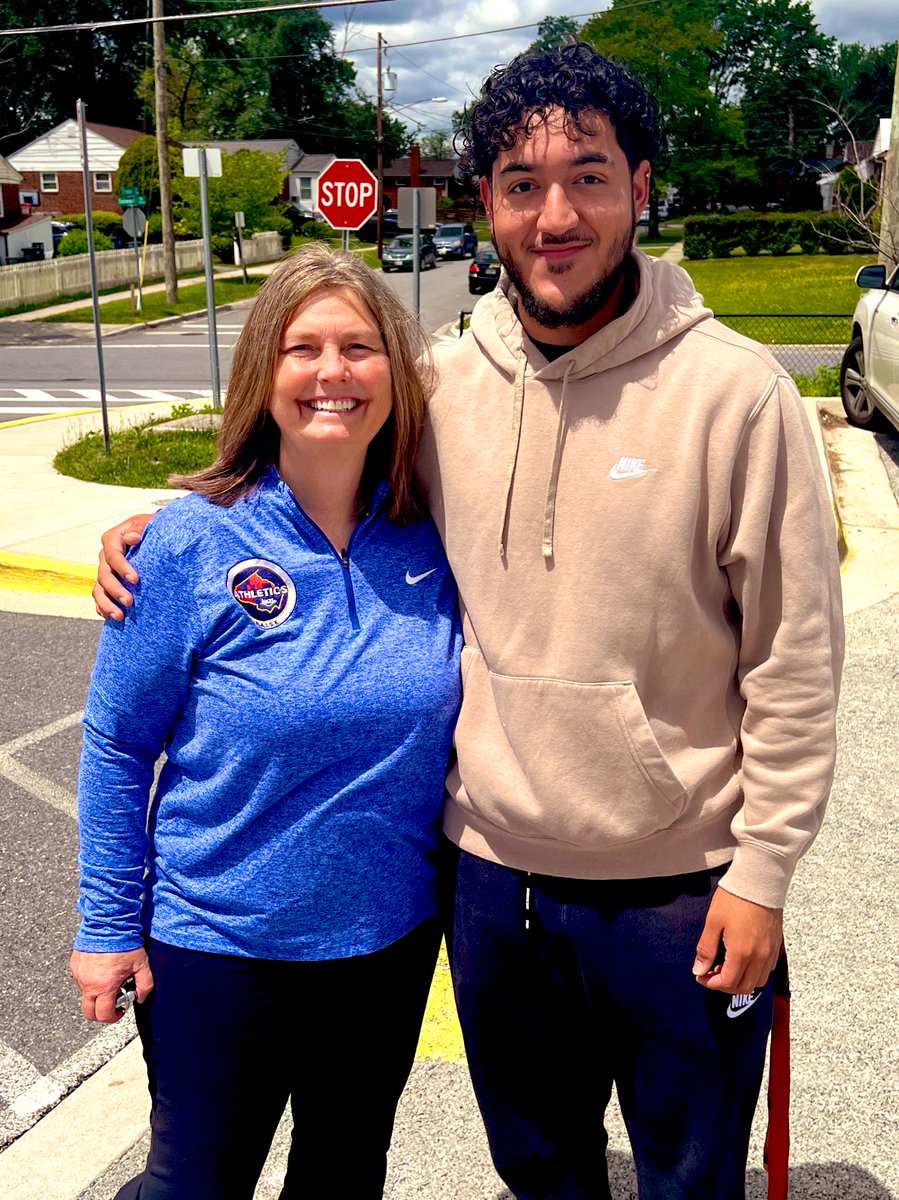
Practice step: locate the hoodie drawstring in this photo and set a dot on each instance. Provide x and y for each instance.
(513, 452)
(549, 514)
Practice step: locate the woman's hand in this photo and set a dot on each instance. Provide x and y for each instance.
(109, 595)
(99, 976)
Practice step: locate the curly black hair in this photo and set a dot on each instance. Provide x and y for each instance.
(575, 78)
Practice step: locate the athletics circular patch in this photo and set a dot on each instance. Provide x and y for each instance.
(263, 590)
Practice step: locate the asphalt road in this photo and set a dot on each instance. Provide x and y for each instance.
(45, 1046)
(842, 930)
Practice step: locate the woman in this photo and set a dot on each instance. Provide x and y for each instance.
(293, 647)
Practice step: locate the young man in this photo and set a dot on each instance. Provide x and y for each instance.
(633, 507)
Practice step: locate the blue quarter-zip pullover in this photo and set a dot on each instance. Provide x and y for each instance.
(305, 700)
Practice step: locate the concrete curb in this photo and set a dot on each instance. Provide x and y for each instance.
(79, 1139)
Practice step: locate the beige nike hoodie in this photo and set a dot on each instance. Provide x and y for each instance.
(647, 564)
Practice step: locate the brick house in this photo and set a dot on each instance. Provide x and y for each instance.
(415, 171)
(50, 167)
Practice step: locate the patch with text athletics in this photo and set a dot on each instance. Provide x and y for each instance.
(263, 590)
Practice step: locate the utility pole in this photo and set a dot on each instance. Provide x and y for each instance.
(170, 268)
(889, 204)
(380, 136)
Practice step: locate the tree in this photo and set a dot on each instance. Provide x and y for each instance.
(186, 94)
(670, 49)
(775, 63)
(42, 75)
(860, 89)
(553, 32)
(250, 183)
(139, 167)
(437, 145)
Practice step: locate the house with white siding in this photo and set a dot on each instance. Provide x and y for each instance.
(51, 167)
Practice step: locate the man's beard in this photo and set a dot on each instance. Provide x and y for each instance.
(582, 309)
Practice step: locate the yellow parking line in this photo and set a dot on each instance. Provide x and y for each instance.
(441, 1037)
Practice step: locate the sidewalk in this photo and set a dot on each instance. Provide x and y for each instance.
(95, 1138)
(50, 524)
(38, 314)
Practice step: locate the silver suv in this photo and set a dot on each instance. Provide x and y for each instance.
(869, 375)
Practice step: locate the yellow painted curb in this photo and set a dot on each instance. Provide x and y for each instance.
(60, 416)
(30, 573)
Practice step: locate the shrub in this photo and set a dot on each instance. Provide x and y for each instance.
(824, 382)
(317, 230)
(223, 247)
(279, 223)
(75, 242)
(774, 233)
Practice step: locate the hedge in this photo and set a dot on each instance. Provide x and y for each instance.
(777, 233)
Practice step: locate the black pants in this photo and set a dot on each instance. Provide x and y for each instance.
(227, 1040)
(566, 987)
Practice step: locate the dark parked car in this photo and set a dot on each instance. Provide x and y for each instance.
(389, 227)
(400, 253)
(456, 241)
(484, 271)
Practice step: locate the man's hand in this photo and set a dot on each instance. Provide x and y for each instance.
(752, 937)
(109, 595)
(99, 976)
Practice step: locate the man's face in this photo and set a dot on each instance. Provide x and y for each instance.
(563, 210)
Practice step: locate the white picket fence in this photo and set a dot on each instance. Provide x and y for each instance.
(33, 283)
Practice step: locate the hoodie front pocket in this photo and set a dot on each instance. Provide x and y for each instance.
(573, 762)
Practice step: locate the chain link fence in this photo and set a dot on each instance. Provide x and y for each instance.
(801, 342)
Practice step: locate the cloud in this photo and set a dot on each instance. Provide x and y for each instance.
(456, 69)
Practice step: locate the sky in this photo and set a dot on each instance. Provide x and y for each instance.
(455, 69)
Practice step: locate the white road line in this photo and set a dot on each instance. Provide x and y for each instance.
(41, 734)
(17, 1073)
(36, 785)
(36, 394)
(39, 786)
(156, 394)
(44, 1091)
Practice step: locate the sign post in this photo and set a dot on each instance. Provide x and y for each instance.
(135, 222)
(203, 162)
(416, 207)
(95, 294)
(347, 195)
(239, 224)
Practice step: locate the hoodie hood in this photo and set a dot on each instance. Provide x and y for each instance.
(666, 305)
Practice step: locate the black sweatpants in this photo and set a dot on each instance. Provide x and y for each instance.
(228, 1039)
(566, 987)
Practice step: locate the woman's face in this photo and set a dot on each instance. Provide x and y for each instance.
(332, 389)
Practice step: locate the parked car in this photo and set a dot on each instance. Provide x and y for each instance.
(484, 271)
(869, 374)
(456, 241)
(399, 255)
(389, 227)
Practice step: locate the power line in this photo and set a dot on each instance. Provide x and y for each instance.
(506, 28)
(92, 26)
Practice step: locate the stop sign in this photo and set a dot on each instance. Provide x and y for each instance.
(347, 193)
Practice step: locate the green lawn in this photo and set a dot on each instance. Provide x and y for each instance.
(795, 283)
(138, 458)
(190, 299)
